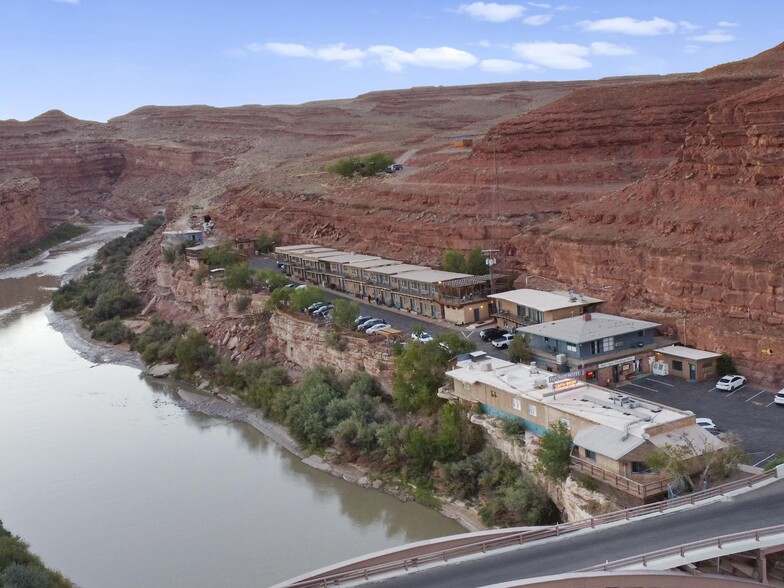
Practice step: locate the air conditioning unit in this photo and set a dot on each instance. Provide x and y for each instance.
(660, 368)
(487, 367)
(540, 383)
(560, 359)
(533, 368)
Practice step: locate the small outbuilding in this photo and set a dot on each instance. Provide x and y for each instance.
(686, 362)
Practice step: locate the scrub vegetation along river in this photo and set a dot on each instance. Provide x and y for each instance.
(412, 443)
(21, 569)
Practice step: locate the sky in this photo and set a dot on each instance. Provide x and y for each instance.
(96, 59)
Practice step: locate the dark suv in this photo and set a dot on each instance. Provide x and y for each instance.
(491, 333)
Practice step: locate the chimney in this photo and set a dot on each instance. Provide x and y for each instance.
(587, 316)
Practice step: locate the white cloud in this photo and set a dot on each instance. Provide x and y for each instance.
(394, 59)
(602, 48)
(536, 20)
(725, 23)
(504, 66)
(714, 36)
(336, 52)
(539, 5)
(554, 55)
(630, 26)
(68, 1)
(687, 26)
(492, 12)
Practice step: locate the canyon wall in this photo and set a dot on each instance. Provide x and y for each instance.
(19, 220)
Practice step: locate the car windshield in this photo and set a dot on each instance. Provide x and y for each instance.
(726, 379)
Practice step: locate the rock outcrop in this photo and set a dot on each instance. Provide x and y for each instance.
(19, 220)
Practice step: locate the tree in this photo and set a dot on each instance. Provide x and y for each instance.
(725, 365)
(697, 462)
(519, 349)
(367, 165)
(453, 260)
(194, 352)
(304, 297)
(270, 278)
(476, 263)
(238, 277)
(265, 242)
(345, 313)
(555, 450)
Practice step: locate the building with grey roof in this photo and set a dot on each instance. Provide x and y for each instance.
(608, 348)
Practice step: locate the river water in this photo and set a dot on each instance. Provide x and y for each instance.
(114, 482)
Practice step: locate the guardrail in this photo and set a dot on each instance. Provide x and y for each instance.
(683, 550)
(426, 554)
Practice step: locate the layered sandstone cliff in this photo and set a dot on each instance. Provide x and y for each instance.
(660, 193)
(19, 221)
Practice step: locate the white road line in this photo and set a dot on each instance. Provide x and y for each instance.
(643, 387)
(659, 382)
(764, 460)
(757, 394)
(712, 389)
(772, 402)
(733, 392)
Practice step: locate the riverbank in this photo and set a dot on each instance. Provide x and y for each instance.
(231, 408)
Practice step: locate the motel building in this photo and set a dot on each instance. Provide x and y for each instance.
(456, 297)
(526, 306)
(605, 348)
(613, 434)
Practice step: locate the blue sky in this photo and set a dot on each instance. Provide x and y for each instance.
(95, 59)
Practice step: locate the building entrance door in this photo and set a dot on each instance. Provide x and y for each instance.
(615, 374)
(692, 371)
(476, 315)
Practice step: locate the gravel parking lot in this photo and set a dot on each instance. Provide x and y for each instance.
(748, 411)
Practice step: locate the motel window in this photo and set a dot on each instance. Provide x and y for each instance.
(707, 369)
(493, 394)
(639, 467)
(677, 366)
(532, 409)
(608, 344)
(516, 404)
(570, 347)
(466, 385)
(590, 455)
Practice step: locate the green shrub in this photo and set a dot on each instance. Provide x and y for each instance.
(555, 450)
(335, 340)
(265, 242)
(238, 277)
(513, 428)
(195, 353)
(367, 165)
(199, 275)
(725, 365)
(242, 303)
(60, 234)
(113, 331)
(224, 255)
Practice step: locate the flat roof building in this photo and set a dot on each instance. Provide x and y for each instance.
(527, 306)
(685, 362)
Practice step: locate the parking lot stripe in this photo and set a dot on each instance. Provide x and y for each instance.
(638, 386)
(733, 392)
(771, 402)
(757, 394)
(659, 382)
(764, 460)
(712, 389)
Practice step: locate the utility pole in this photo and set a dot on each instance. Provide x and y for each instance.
(490, 261)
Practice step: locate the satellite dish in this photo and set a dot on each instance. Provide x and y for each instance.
(645, 436)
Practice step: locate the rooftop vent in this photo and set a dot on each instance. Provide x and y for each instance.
(587, 316)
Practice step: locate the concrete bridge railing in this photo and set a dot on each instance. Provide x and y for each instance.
(455, 547)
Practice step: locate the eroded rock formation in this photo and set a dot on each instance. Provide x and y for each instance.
(659, 193)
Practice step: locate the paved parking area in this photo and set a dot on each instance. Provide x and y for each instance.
(748, 411)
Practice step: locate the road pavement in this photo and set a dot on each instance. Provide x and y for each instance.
(755, 509)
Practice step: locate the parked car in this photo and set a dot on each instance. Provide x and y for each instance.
(730, 382)
(705, 423)
(375, 328)
(316, 306)
(445, 347)
(324, 310)
(503, 341)
(301, 287)
(491, 333)
(779, 398)
(361, 319)
(422, 337)
(397, 166)
(367, 324)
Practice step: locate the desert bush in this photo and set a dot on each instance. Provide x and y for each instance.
(113, 331)
(242, 303)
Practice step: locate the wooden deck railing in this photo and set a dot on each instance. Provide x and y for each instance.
(619, 482)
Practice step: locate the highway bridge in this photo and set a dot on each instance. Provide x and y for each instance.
(674, 535)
